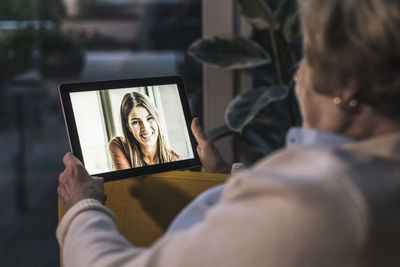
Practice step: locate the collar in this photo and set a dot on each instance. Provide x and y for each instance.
(298, 136)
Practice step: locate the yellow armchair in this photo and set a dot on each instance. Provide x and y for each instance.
(146, 206)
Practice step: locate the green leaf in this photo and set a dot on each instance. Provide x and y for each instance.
(231, 52)
(258, 14)
(219, 132)
(261, 106)
(263, 141)
(288, 17)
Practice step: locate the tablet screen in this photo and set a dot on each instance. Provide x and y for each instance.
(127, 125)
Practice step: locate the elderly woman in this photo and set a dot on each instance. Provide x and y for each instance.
(329, 199)
(143, 142)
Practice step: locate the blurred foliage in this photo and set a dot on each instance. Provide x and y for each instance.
(258, 14)
(29, 41)
(262, 116)
(24, 10)
(30, 38)
(15, 10)
(58, 54)
(15, 53)
(229, 52)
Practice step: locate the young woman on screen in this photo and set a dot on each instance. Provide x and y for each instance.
(143, 142)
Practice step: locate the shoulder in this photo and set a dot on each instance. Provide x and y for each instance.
(289, 211)
(116, 143)
(303, 161)
(301, 169)
(311, 180)
(295, 168)
(173, 155)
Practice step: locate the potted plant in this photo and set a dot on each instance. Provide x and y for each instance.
(262, 116)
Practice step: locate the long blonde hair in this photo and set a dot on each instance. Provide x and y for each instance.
(131, 145)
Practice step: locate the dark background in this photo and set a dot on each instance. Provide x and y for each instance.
(44, 43)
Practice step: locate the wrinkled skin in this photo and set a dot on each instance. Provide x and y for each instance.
(75, 183)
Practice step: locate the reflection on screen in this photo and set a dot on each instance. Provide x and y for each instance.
(130, 127)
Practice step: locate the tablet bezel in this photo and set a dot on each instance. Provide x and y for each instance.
(67, 88)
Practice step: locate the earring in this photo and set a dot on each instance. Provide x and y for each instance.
(337, 100)
(349, 105)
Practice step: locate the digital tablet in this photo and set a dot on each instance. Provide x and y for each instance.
(127, 128)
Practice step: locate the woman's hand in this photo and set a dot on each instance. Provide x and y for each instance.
(75, 183)
(210, 157)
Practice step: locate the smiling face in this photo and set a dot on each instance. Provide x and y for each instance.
(143, 127)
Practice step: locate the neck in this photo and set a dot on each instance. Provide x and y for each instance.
(364, 124)
(150, 155)
(369, 124)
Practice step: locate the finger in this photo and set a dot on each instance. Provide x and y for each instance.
(62, 195)
(198, 132)
(69, 159)
(61, 177)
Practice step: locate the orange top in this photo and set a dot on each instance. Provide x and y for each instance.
(119, 154)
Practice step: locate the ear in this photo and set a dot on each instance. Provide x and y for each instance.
(348, 100)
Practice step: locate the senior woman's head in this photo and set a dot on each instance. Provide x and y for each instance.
(351, 56)
(141, 128)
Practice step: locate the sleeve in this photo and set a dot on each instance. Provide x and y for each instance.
(196, 211)
(118, 156)
(174, 156)
(258, 222)
(88, 236)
